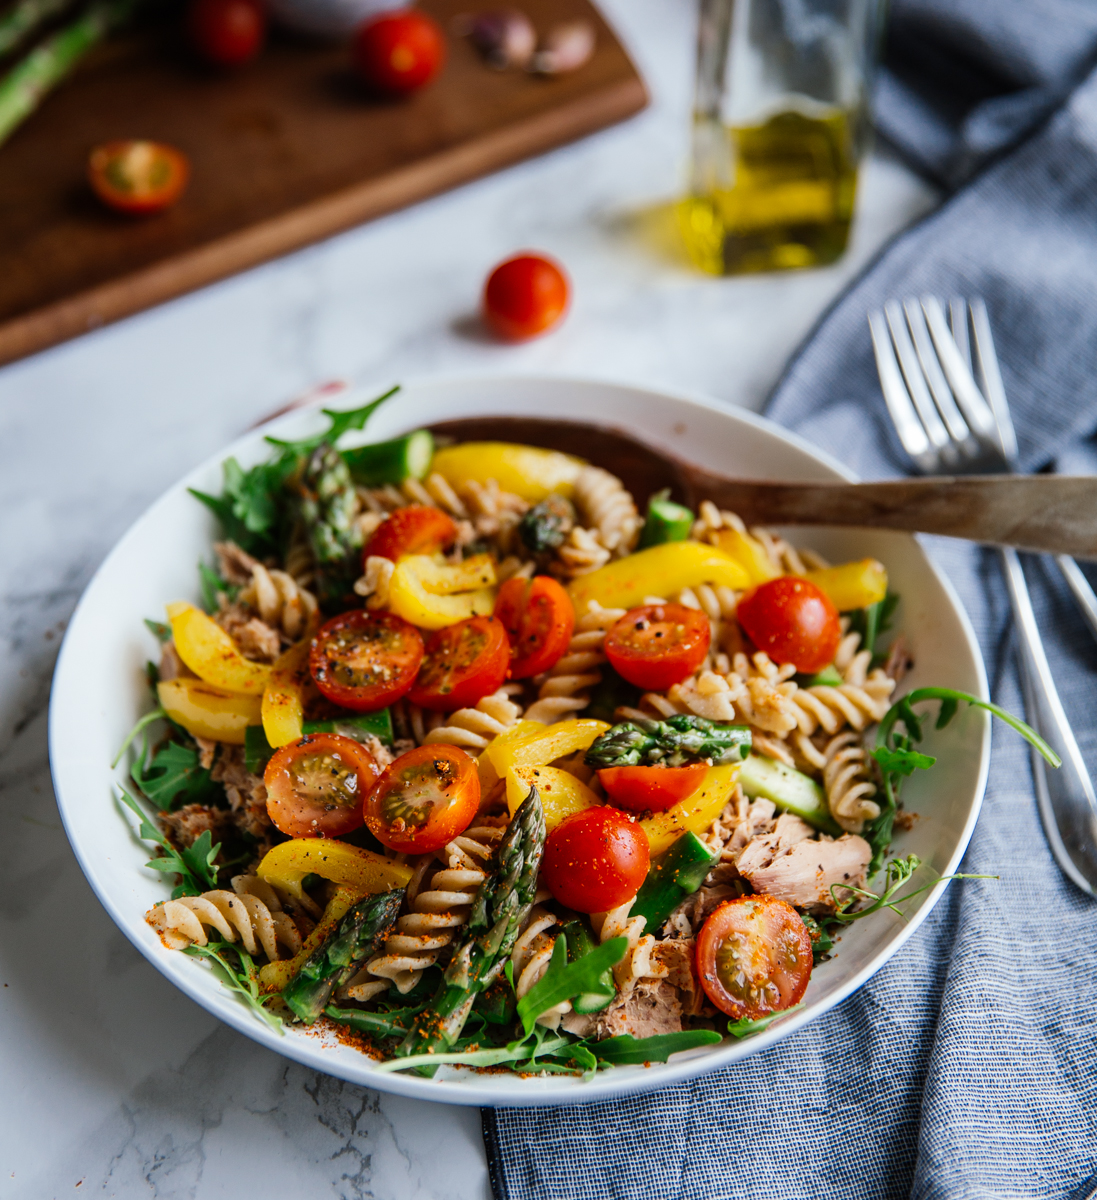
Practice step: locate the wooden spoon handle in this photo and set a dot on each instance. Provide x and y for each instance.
(1054, 514)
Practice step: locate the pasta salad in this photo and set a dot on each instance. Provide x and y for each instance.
(468, 760)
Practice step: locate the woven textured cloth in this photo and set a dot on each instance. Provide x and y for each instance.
(967, 1067)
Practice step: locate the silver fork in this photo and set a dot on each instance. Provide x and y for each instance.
(949, 425)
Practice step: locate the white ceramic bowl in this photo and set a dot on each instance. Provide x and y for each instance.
(99, 690)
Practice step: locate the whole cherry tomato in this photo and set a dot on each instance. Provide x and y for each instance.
(793, 621)
(539, 619)
(595, 860)
(424, 799)
(316, 786)
(136, 177)
(227, 33)
(651, 789)
(365, 660)
(462, 663)
(658, 645)
(754, 957)
(525, 296)
(399, 52)
(417, 529)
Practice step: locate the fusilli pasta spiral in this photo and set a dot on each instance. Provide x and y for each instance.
(530, 959)
(848, 783)
(637, 963)
(234, 916)
(608, 509)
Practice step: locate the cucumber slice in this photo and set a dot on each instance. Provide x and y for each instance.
(406, 457)
(675, 875)
(789, 790)
(666, 521)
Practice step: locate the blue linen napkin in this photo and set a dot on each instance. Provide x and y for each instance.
(967, 1067)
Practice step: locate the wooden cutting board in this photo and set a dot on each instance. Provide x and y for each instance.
(286, 152)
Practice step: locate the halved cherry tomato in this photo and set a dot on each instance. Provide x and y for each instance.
(793, 621)
(365, 660)
(595, 860)
(754, 957)
(138, 177)
(399, 52)
(462, 664)
(227, 33)
(424, 799)
(658, 645)
(525, 296)
(651, 789)
(539, 618)
(316, 786)
(416, 529)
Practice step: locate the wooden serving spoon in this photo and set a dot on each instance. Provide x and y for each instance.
(1052, 514)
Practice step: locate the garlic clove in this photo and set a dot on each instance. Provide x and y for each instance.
(506, 37)
(566, 47)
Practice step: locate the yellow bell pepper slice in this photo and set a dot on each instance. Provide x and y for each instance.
(499, 745)
(854, 584)
(695, 813)
(274, 976)
(527, 471)
(286, 865)
(432, 595)
(561, 794)
(749, 553)
(657, 571)
(212, 655)
(283, 707)
(207, 711)
(544, 745)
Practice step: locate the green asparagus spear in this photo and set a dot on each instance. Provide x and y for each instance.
(498, 910)
(24, 18)
(678, 740)
(357, 936)
(545, 525)
(328, 507)
(27, 82)
(403, 458)
(666, 521)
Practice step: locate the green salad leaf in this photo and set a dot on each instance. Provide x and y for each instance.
(173, 776)
(242, 979)
(341, 421)
(618, 1051)
(745, 1027)
(563, 980)
(194, 866)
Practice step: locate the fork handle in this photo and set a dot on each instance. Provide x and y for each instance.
(1054, 514)
(1066, 798)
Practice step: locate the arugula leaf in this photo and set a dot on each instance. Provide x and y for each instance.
(744, 1027)
(513, 1052)
(212, 583)
(173, 777)
(901, 761)
(821, 941)
(142, 722)
(899, 871)
(874, 621)
(252, 507)
(174, 862)
(395, 1023)
(563, 980)
(627, 1049)
(160, 631)
(342, 421)
(244, 981)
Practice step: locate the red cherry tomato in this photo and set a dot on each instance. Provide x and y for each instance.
(417, 529)
(658, 645)
(227, 33)
(316, 786)
(595, 860)
(526, 296)
(424, 799)
(651, 789)
(399, 52)
(137, 177)
(365, 660)
(539, 619)
(754, 957)
(793, 621)
(462, 664)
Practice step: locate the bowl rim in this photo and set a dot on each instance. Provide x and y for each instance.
(556, 1091)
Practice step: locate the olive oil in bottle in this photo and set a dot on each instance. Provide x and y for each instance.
(771, 196)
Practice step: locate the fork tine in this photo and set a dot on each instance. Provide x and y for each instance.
(957, 319)
(938, 386)
(903, 416)
(992, 378)
(975, 409)
(912, 373)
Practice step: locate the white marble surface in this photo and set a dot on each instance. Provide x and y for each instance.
(112, 1083)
